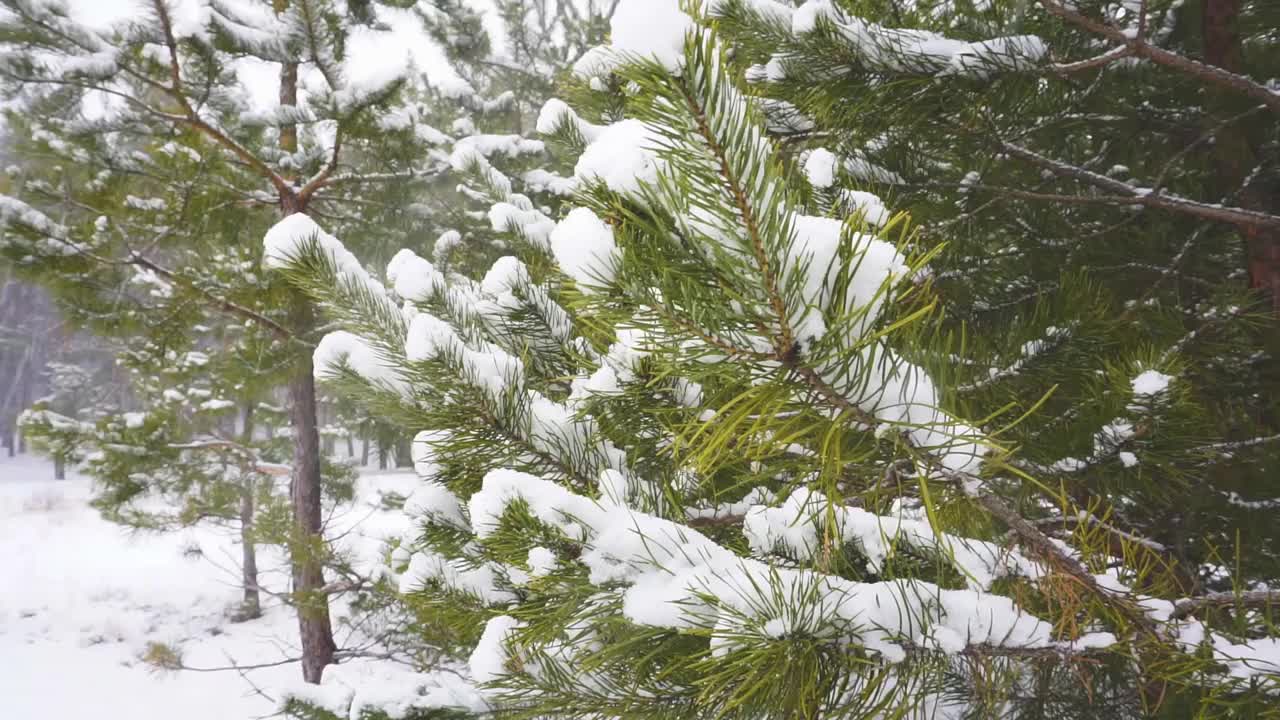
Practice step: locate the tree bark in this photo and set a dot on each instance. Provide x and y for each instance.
(314, 627)
(1237, 149)
(307, 547)
(329, 442)
(251, 606)
(404, 453)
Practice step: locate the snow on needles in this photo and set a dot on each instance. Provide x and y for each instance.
(489, 658)
(356, 691)
(338, 348)
(676, 577)
(652, 30)
(287, 240)
(919, 51)
(1151, 382)
(622, 156)
(584, 248)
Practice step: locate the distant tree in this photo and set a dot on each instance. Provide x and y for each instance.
(152, 148)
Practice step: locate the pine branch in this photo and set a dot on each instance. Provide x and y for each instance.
(323, 178)
(1252, 600)
(1093, 63)
(1050, 552)
(192, 118)
(221, 303)
(1132, 194)
(1137, 46)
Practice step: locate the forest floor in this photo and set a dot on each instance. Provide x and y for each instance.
(81, 599)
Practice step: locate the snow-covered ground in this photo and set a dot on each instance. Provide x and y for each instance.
(81, 599)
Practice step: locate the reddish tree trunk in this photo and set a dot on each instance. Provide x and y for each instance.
(1236, 150)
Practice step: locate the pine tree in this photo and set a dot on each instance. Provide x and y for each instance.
(706, 452)
(1099, 181)
(70, 387)
(148, 149)
(193, 446)
(29, 334)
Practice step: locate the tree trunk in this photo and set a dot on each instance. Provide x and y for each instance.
(307, 547)
(404, 453)
(326, 439)
(59, 468)
(251, 606)
(308, 544)
(364, 452)
(351, 447)
(1237, 148)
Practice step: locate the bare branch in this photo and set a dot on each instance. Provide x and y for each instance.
(1251, 600)
(1128, 194)
(222, 303)
(1092, 63)
(322, 178)
(1139, 47)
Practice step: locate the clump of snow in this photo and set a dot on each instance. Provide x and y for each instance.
(622, 156)
(651, 30)
(444, 245)
(362, 690)
(768, 9)
(489, 658)
(981, 59)
(820, 168)
(539, 180)
(541, 561)
(285, 242)
(506, 274)
(414, 278)
(866, 205)
(806, 17)
(596, 62)
(341, 347)
(584, 248)
(798, 524)
(815, 252)
(479, 580)
(14, 210)
(427, 336)
(1150, 382)
(556, 113)
(531, 224)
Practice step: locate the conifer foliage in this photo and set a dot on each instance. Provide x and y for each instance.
(165, 144)
(700, 451)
